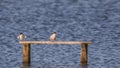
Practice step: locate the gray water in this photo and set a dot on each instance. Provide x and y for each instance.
(97, 21)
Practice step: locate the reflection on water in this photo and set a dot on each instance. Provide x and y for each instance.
(54, 66)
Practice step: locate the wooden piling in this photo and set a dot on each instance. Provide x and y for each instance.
(26, 49)
(26, 54)
(83, 54)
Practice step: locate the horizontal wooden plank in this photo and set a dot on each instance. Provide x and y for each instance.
(55, 42)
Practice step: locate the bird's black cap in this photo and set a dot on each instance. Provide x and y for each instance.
(21, 33)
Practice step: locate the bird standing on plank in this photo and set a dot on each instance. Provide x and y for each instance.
(53, 36)
(21, 36)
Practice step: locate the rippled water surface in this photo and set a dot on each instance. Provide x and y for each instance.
(97, 21)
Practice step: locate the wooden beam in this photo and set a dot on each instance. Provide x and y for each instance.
(55, 42)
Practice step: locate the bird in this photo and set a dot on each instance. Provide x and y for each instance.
(53, 36)
(21, 36)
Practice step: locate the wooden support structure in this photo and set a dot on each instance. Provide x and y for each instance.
(83, 54)
(26, 49)
(26, 54)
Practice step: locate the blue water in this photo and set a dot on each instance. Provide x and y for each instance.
(97, 21)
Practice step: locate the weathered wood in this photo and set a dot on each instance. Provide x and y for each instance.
(26, 49)
(83, 54)
(26, 53)
(55, 42)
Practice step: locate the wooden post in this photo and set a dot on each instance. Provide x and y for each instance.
(26, 54)
(83, 55)
(26, 49)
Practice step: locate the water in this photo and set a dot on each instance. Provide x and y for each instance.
(73, 20)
